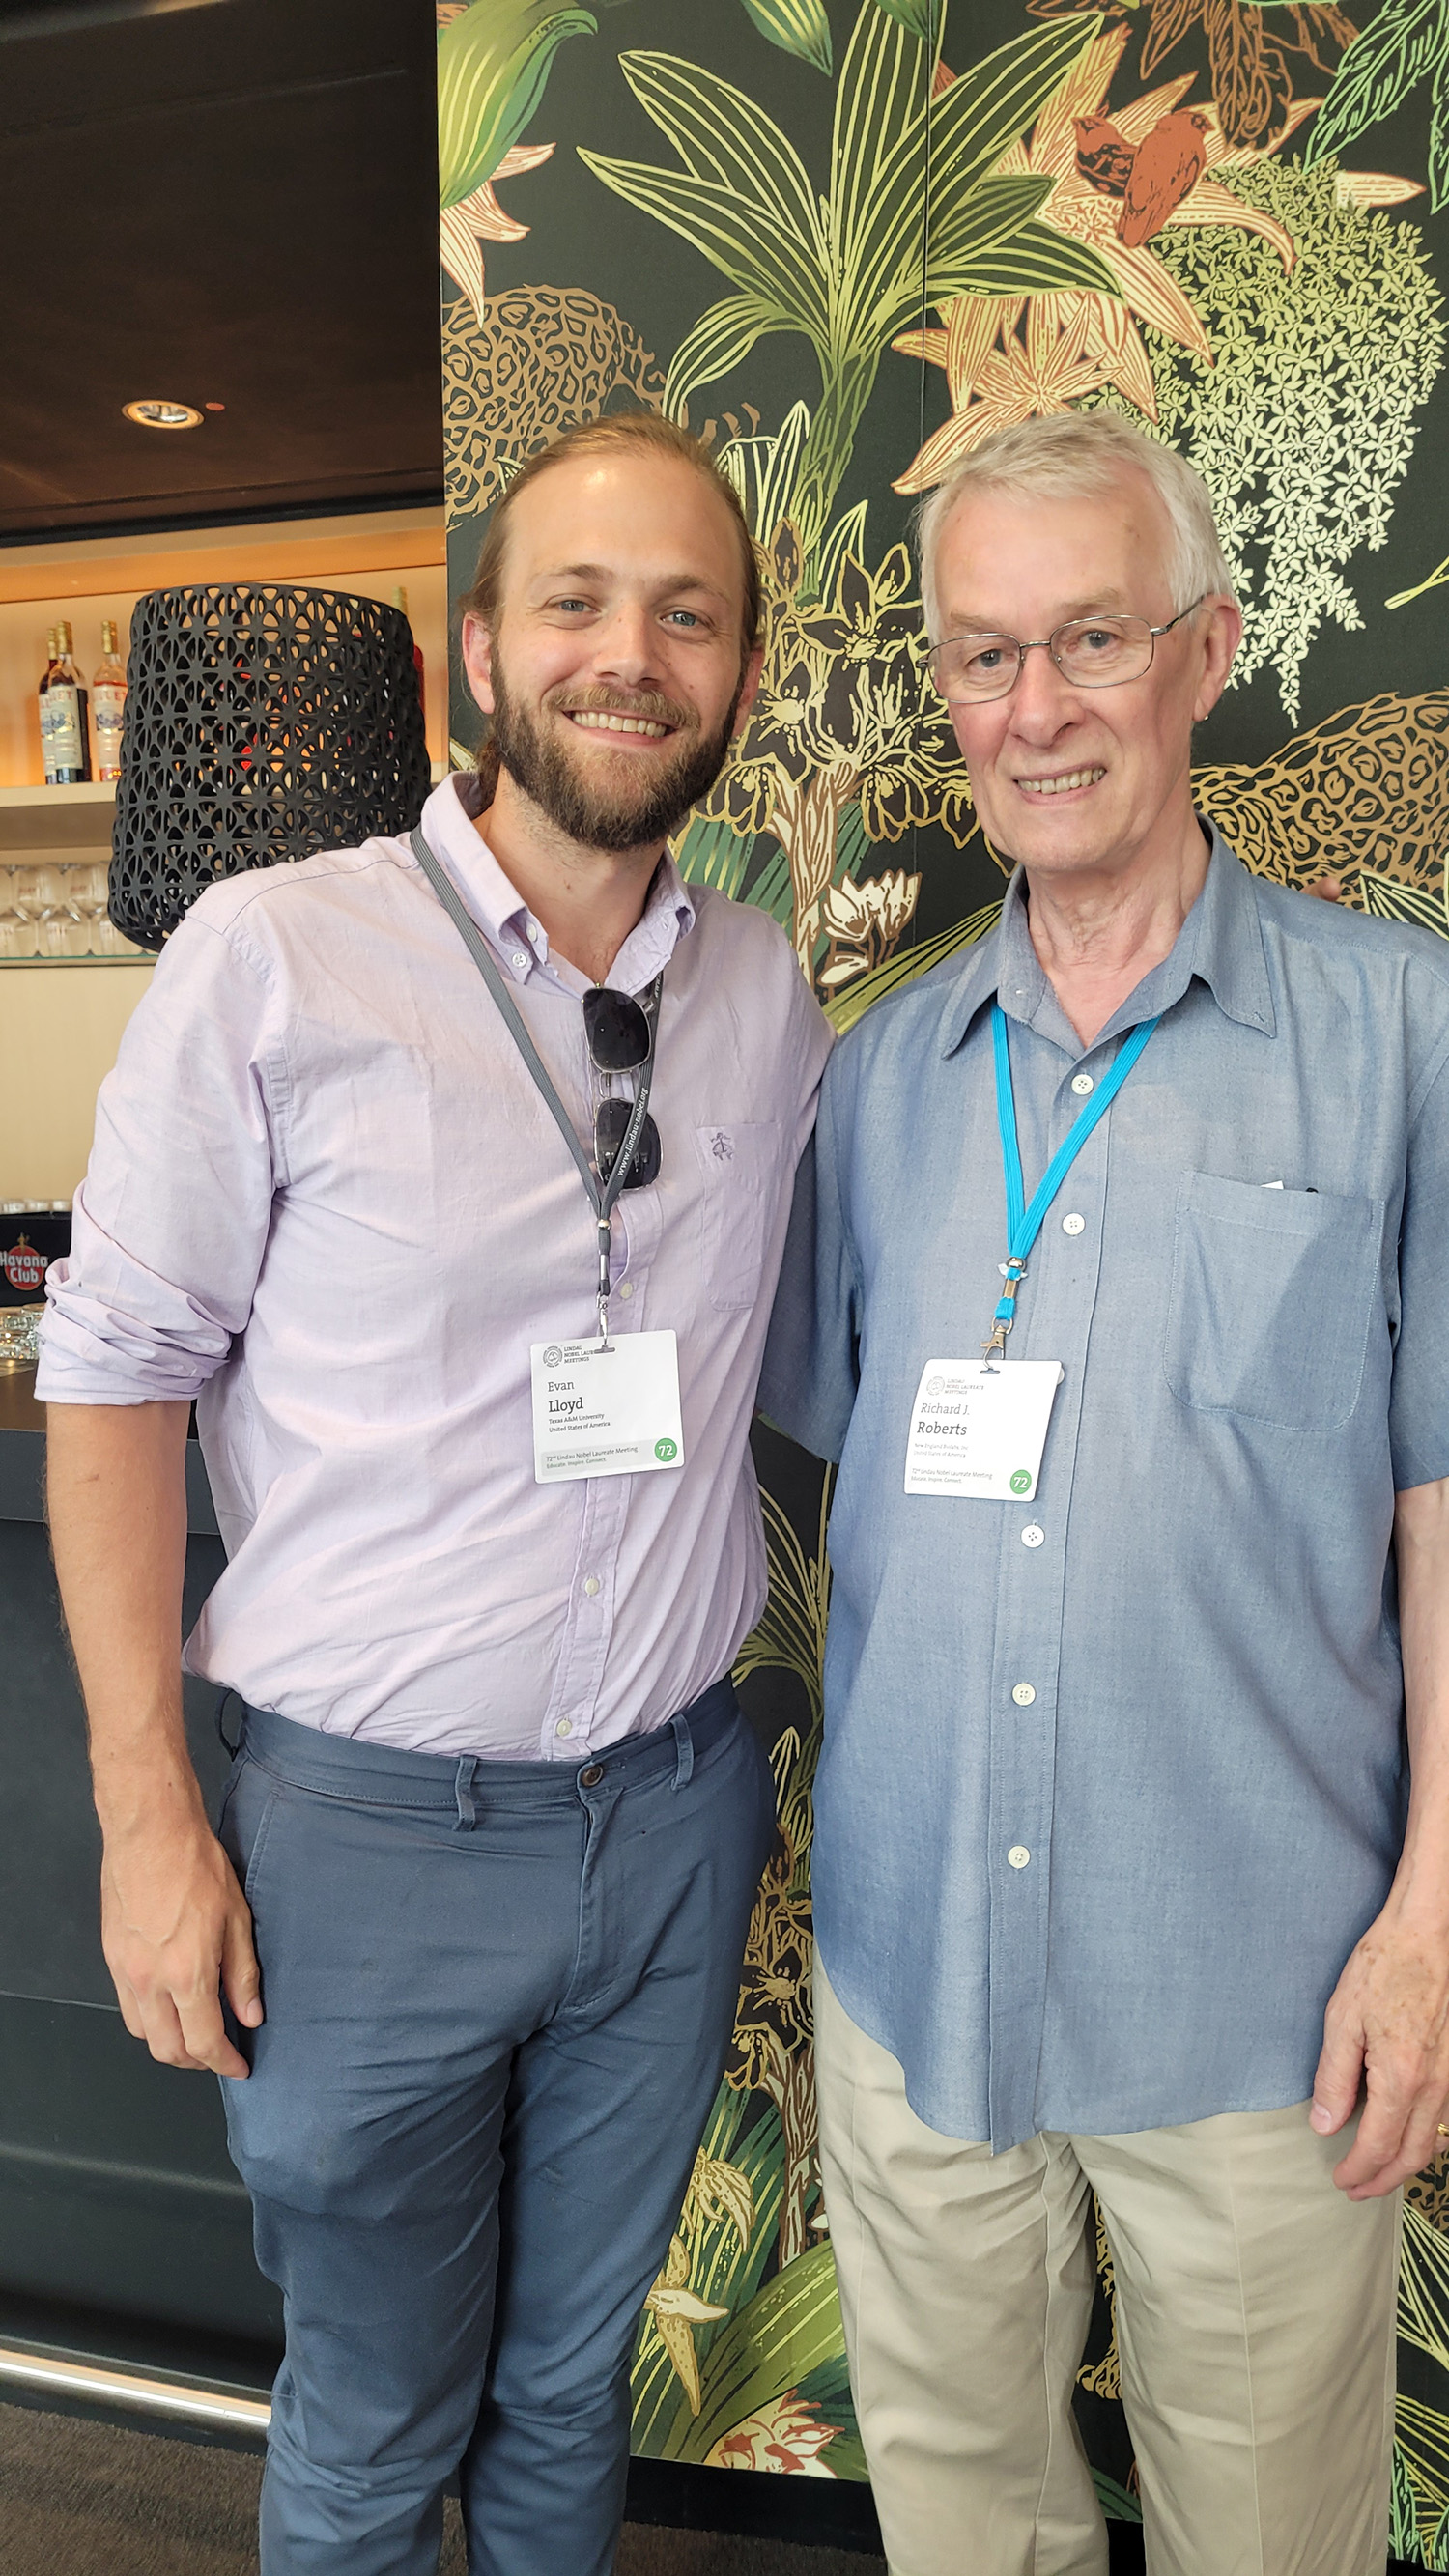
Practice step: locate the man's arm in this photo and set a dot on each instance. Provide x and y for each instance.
(1388, 2019)
(174, 1923)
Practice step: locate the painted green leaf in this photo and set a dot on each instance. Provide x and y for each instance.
(1439, 138)
(997, 99)
(766, 2348)
(720, 339)
(1388, 899)
(735, 236)
(1116, 2503)
(493, 63)
(922, 19)
(796, 26)
(720, 134)
(844, 1009)
(1377, 73)
(1035, 261)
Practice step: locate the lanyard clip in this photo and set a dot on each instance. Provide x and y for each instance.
(604, 1283)
(1012, 1273)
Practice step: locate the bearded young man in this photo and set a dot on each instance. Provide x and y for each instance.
(450, 1177)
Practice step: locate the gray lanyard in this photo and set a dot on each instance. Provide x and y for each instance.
(602, 1194)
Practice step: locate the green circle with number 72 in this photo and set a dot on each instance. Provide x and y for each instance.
(664, 1450)
(1021, 1481)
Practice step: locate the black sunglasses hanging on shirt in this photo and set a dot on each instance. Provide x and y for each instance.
(620, 1035)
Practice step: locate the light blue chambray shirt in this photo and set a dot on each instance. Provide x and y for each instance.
(1210, 1779)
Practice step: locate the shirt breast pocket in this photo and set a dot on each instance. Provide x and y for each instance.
(740, 1170)
(1272, 1295)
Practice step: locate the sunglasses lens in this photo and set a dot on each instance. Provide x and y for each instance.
(610, 1128)
(616, 1029)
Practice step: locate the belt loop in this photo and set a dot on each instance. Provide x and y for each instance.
(463, 1791)
(684, 1749)
(233, 1749)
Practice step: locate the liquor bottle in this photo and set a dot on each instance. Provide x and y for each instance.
(45, 679)
(108, 706)
(65, 716)
(400, 600)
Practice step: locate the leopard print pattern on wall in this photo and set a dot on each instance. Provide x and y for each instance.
(540, 359)
(1368, 788)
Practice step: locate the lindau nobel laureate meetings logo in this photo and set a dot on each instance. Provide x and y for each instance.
(551, 1355)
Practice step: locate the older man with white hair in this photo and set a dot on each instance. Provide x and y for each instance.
(1116, 1286)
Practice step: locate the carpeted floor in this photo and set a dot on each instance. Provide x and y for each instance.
(81, 2499)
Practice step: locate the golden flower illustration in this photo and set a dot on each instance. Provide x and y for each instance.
(676, 2311)
(784, 2438)
(1077, 343)
(845, 713)
(863, 918)
(463, 229)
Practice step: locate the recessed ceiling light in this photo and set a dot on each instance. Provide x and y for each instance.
(162, 415)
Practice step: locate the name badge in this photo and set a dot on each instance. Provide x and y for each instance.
(979, 1428)
(606, 1411)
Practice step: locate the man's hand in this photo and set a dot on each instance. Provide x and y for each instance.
(1388, 2022)
(176, 1934)
(1388, 2017)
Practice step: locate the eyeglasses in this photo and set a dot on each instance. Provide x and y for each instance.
(620, 1035)
(1091, 652)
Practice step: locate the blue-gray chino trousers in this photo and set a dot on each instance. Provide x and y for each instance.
(498, 1997)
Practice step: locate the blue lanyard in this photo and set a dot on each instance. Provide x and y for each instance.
(1023, 1223)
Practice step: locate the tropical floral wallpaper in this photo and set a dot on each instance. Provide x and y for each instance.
(847, 240)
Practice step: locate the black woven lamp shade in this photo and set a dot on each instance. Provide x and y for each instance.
(262, 723)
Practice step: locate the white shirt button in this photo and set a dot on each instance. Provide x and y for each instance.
(1082, 1083)
(1023, 1694)
(520, 960)
(627, 1288)
(591, 1584)
(565, 1726)
(1018, 1855)
(1033, 1534)
(1073, 1224)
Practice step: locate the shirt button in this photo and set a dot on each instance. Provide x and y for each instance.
(627, 1288)
(565, 1726)
(1023, 1694)
(1018, 1855)
(1073, 1224)
(520, 960)
(591, 1584)
(590, 1779)
(1082, 1083)
(1033, 1534)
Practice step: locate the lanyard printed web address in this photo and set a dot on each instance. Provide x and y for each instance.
(602, 1194)
(1023, 1222)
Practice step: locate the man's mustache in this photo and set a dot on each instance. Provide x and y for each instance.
(645, 703)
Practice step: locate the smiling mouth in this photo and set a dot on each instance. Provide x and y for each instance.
(600, 721)
(1059, 786)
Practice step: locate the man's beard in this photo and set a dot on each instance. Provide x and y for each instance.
(606, 816)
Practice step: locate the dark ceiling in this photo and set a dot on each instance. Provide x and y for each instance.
(216, 201)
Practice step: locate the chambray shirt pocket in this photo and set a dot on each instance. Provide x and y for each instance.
(741, 1170)
(1271, 1299)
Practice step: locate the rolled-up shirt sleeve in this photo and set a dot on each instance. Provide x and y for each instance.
(172, 1220)
(811, 1369)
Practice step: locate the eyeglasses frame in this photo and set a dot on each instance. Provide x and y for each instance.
(1047, 644)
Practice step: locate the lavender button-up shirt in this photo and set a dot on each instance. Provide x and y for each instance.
(326, 1200)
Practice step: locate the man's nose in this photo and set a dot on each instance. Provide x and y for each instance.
(626, 647)
(1042, 700)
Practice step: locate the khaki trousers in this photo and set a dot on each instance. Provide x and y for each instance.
(1255, 2326)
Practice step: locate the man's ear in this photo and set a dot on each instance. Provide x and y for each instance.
(477, 643)
(749, 690)
(1221, 636)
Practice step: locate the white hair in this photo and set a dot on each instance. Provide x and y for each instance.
(1073, 455)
